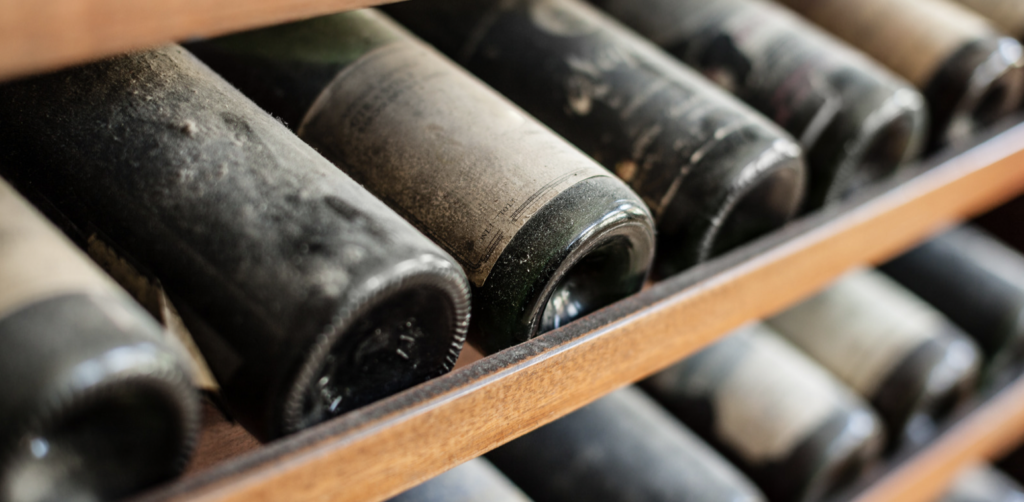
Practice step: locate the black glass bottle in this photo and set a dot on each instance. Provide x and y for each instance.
(910, 362)
(621, 448)
(94, 403)
(857, 122)
(778, 416)
(978, 283)
(714, 173)
(473, 481)
(544, 233)
(307, 295)
(970, 74)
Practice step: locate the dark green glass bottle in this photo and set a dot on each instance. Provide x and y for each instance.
(857, 122)
(714, 173)
(621, 448)
(94, 402)
(978, 283)
(970, 74)
(544, 233)
(778, 416)
(473, 481)
(899, 353)
(307, 295)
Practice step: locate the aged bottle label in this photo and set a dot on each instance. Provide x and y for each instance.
(459, 161)
(1006, 14)
(861, 327)
(36, 261)
(913, 37)
(772, 400)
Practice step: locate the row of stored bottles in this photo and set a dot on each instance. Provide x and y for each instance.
(800, 406)
(311, 290)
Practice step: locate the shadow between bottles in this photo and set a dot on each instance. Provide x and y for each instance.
(377, 416)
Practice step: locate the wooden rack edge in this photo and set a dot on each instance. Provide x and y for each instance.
(44, 35)
(390, 446)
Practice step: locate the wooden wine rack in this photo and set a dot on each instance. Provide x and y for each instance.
(384, 448)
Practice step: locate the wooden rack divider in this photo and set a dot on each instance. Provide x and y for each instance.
(389, 446)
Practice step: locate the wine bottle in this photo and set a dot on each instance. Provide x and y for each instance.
(95, 402)
(781, 418)
(544, 233)
(307, 295)
(1008, 15)
(971, 75)
(714, 173)
(474, 481)
(983, 483)
(911, 363)
(978, 283)
(857, 122)
(621, 448)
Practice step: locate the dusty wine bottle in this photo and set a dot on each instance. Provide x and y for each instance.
(1008, 15)
(983, 483)
(307, 295)
(971, 75)
(781, 418)
(473, 481)
(95, 403)
(621, 448)
(857, 122)
(895, 350)
(544, 233)
(714, 173)
(978, 283)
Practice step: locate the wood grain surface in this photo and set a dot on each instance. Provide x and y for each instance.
(384, 448)
(42, 35)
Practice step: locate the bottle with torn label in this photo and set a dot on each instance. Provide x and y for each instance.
(983, 483)
(857, 121)
(1008, 15)
(970, 74)
(94, 402)
(545, 234)
(978, 283)
(911, 363)
(622, 448)
(778, 416)
(714, 172)
(307, 295)
(474, 481)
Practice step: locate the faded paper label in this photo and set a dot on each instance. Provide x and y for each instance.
(36, 261)
(458, 160)
(1006, 14)
(774, 398)
(860, 328)
(151, 295)
(913, 37)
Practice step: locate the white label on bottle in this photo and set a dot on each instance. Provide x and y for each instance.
(458, 160)
(774, 398)
(1006, 14)
(913, 37)
(860, 328)
(36, 261)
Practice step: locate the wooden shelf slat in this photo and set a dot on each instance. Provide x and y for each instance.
(42, 35)
(382, 449)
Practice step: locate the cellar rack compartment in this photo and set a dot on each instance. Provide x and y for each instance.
(380, 450)
(384, 448)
